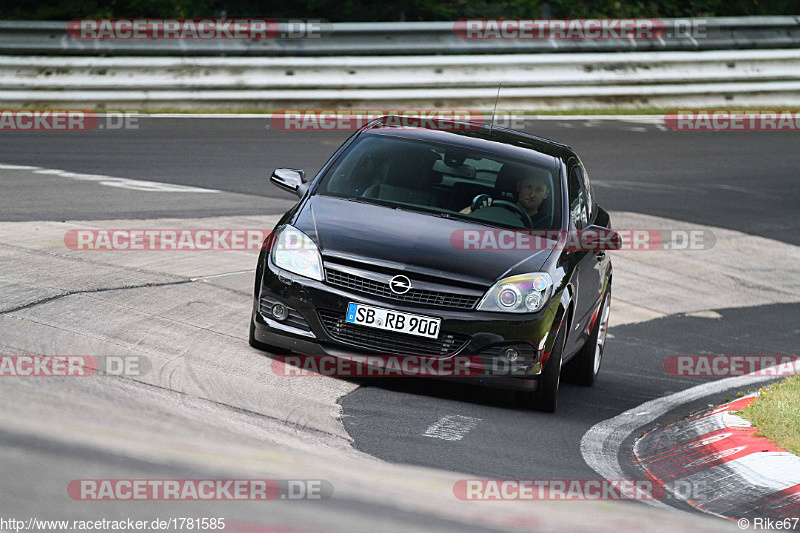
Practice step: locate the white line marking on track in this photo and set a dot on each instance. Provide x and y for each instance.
(600, 446)
(704, 314)
(645, 186)
(125, 183)
(110, 181)
(451, 427)
(17, 167)
(742, 190)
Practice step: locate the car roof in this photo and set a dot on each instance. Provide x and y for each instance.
(470, 135)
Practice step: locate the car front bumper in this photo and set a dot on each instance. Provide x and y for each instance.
(480, 335)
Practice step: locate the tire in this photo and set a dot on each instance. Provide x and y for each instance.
(545, 397)
(584, 368)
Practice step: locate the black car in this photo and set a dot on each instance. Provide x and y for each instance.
(407, 225)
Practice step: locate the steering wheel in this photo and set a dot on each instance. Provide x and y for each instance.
(484, 200)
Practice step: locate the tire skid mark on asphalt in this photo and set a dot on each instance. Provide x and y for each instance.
(41, 301)
(666, 379)
(224, 274)
(451, 427)
(726, 273)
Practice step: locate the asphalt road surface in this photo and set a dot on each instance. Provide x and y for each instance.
(743, 181)
(389, 419)
(739, 180)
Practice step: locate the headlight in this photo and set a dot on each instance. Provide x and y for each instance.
(526, 293)
(296, 252)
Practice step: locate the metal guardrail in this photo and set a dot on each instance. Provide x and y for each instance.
(739, 62)
(393, 38)
(398, 72)
(530, 82)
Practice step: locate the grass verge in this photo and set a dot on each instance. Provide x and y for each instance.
(776, 414)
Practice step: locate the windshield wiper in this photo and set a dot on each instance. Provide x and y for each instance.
(422, 210)
(370, 201)
(465, 218)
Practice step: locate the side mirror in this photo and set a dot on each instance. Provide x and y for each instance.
(602, 218)
(598, 238)
(290, 180)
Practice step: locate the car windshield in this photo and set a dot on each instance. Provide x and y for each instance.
(446, 180)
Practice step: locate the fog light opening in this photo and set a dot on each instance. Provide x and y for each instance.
(511, 354)
(280, 312)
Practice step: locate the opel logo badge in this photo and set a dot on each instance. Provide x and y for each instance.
(400, 284)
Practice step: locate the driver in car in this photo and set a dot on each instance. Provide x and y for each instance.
(531, 192)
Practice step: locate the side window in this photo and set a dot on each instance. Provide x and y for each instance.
(578, 209)
(355, 173)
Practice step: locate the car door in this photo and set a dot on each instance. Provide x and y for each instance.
(587, 275)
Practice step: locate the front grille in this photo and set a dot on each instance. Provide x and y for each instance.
(381, 342)
(377, 288)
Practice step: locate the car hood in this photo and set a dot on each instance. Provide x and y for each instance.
(409, 241)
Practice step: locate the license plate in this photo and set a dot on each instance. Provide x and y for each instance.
(379, 318)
